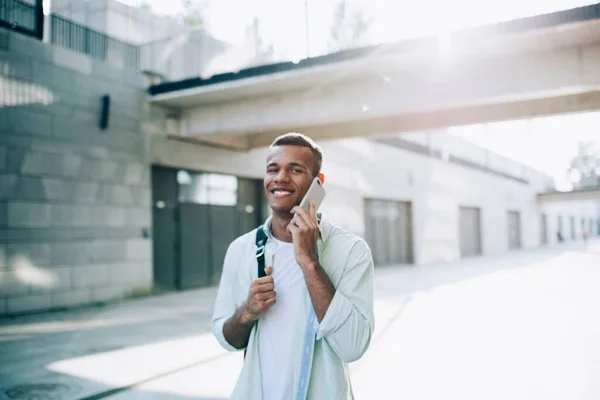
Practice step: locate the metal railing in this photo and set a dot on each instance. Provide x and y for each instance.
(21, 16)
(68, 34)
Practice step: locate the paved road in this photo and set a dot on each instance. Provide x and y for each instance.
(519, 326)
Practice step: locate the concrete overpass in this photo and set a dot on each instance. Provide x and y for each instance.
(543, 65)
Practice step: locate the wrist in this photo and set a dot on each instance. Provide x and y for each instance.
(310, 264)
(246, 317)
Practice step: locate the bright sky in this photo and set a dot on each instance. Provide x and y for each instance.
(284, 23)
(546, 144)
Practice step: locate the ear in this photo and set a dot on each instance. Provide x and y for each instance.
(322, 178)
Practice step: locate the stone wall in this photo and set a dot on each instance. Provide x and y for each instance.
(74, 199)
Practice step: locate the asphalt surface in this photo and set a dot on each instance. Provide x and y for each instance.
(525, 325)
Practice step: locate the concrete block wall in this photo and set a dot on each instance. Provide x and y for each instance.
(74, 199)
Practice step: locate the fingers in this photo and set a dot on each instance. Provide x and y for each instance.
(309, 217)
(264, 287)
(265, 296)
(312, 210)
(301, 212)
(268, 303)
(260, 304)
(262, 296)
(292, 228)
(300, 222)
(265, 284)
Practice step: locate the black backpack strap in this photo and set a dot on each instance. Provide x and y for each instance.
(261, 241)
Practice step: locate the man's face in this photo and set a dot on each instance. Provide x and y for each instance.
(288, 176)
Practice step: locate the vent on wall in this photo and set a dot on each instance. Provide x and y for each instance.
(104, 111)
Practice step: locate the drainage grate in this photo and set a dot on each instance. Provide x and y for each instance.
(42, 391)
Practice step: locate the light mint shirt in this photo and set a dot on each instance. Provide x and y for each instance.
(324, 349)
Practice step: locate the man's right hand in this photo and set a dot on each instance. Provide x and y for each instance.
(261, 298)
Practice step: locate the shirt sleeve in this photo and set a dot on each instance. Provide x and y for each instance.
(225, 304)
(349, 321)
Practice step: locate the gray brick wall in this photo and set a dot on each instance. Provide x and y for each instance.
(73, 198)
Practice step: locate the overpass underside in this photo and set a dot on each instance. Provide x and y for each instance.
(534, 67)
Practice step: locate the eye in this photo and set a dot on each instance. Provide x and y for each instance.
(297, 170)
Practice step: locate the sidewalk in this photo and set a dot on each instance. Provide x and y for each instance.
(162, 348)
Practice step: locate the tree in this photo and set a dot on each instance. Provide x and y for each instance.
(193, 13)
(350, 27)
(584, 171)
(146, 5)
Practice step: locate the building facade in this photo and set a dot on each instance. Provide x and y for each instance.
(93, 212)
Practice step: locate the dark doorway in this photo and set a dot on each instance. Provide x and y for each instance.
(196, 216)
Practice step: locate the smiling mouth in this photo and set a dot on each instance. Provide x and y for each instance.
(281, 193)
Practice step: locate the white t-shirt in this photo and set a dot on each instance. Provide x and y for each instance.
(279, 325)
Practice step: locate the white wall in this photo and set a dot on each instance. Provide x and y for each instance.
(360, 168)
(356, 169)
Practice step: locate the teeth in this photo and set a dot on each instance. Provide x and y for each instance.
(281, 192)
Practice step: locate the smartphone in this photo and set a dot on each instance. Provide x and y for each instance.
(316, 192)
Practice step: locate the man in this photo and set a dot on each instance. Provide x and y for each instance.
(313, 311)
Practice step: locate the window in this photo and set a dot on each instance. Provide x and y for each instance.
(203, 188)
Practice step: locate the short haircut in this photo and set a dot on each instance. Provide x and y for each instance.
(298, 139)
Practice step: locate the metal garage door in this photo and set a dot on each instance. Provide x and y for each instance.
(470, 231)
(196, 217)
(389, 231)
(164, 228)
(544, 229)
(514, 230)
(215, 209)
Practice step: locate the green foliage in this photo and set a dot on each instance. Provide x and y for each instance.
(193, 13)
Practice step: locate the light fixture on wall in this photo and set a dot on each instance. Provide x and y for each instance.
(104, 111)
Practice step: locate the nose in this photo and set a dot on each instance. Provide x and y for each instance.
(282, 176)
